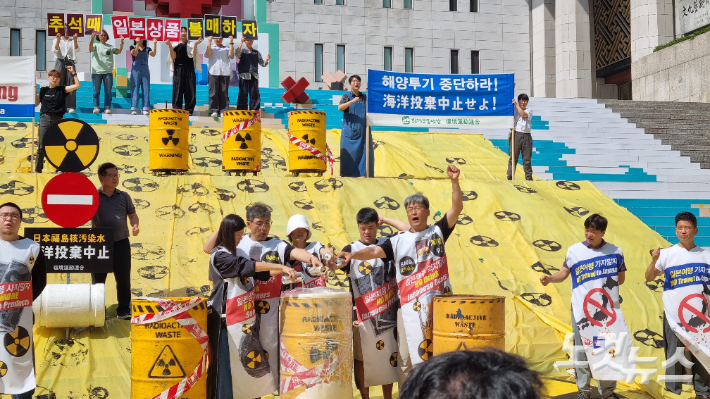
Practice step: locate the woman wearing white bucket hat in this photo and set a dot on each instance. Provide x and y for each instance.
(298, 232)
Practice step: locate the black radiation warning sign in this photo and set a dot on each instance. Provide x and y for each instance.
(246, 328)
(380, 345)
(568, 185)
(71, 145)
(393, 359)
(365, 268)
(170, 138)
(507, 216)
(426, 349)
(166, 365)
(253, 360)
(483, 241)
(417, 306)
(17, 343)
(547, 245)
(263, 307)
(3, 369)
(311, 141)
(243, 140)
(387, 203)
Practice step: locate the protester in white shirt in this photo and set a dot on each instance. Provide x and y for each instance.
(685, 291)
(523, 138)
(219, 74)
(65, 49)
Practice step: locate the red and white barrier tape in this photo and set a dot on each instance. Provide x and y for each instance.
(231, 132)
(178, 311)
(307, 147)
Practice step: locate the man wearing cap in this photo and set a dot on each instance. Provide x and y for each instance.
(298, 233)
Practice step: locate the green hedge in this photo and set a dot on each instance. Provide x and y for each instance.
(682, 39)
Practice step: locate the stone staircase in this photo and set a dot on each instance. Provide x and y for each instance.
(682, 125)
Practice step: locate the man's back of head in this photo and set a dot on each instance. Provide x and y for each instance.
(489, 374)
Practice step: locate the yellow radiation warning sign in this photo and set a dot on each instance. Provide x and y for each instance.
(166, 365)
(71, 145)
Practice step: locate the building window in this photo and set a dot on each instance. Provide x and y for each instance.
(453, 5)
(319, 63)
(475, 63)
(408, 59)
(474, 5)
(317, 1)
(407, 4)
(454, 62)
(339, 2)
(387, 3)
(41, 50)
(15, 42)
(340, 57)
(388, 58)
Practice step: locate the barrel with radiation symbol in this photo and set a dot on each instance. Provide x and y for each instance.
(316, 344)
(468, 322)
(242, 151)
(309, 127)
(163, 353)
(169, 139)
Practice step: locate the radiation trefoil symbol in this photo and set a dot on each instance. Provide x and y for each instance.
(311, 141)
(238, 137)
(170, 137)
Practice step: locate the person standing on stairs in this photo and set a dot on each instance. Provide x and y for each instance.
(248, 68)
(219, 73)
(65, 55)
(523, 138)
(102, 68)
(353, 135)
(53, 100)
(181, 64)
(140, 74)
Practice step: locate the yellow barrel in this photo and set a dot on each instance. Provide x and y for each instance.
(308, 126)
(164, 353)
(169, 139)
(468, 322)
(316, 339)
(242, 151)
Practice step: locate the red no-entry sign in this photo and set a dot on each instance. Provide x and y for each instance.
(70, 199)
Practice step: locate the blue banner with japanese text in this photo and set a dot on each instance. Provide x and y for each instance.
(427, 100)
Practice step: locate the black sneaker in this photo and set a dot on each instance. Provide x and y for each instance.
(124, 316)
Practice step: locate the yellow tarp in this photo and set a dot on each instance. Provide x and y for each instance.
(508, 236)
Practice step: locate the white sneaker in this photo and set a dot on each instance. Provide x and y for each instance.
(145, 112)
(221, 114)
(107, 111)
(134, 112)
(214, 115)
(71, 110)
(96, 110)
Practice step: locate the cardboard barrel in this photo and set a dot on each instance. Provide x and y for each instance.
(468, 322)
(164, 353)
(242, 151)
(169, 139)
(308, 126)
(316, 341)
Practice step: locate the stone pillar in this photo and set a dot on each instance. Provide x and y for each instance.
(543, 45)
(573, 51)
(651, 26)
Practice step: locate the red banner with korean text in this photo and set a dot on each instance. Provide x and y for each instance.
(15, 295)
(431, 276)
(376, 302)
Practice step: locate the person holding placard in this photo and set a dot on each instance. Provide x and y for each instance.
(140, 74)
(220, 71)
(53, 100)
(182, 68)
(248, 68)
(65, 49)
(102, 68)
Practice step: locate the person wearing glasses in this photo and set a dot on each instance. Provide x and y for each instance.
(115, 207)
(259, 246)
(22, 261)
(419, 254)
(102, 68)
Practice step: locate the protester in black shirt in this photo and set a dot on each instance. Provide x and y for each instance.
(184, 81)
(53, 99)
(248, 68)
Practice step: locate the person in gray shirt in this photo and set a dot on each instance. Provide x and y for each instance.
(523, 138)
(115, 207)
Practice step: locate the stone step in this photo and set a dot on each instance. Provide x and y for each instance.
(673, 116)
(680, 133)
(691, 147)
(668, 124)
